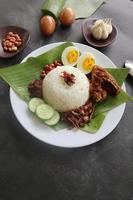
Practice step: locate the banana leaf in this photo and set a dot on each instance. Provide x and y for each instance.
(53, 8)
(95, 123)
(19, 76)
(82, 8)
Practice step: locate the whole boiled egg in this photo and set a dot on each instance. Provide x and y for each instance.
(86, 62)
(67, 16)
(47, 25)
(70, 56)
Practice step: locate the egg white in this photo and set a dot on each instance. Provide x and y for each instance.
(65, 53)
(81, 61)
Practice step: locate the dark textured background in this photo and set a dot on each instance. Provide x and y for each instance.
(30, 169)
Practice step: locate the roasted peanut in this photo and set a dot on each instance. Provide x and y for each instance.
(14, 48)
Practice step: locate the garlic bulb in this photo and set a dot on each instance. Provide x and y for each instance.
(101, 29)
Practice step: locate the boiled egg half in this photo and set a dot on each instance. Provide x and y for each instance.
(86, 62)
(70, 56)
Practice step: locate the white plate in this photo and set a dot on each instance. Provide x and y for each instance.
(65, 138)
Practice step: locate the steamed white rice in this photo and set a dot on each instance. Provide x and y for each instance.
(61, 96)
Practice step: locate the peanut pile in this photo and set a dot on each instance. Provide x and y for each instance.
(50, 67)
(11, 42)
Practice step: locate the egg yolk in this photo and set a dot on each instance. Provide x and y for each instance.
(72, 56)
(88, 64)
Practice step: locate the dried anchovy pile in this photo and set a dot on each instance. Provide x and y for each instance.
(80, 116)
(68, 78)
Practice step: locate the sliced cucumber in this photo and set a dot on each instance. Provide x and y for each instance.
(53, 120)
(44, 111)
(33, 103)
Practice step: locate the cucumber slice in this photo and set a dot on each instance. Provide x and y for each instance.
(33, 103)
(44, 111)
(54, 120)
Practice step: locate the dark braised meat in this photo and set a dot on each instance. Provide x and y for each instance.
(102, 83)
(80, 116)
(35, 88)
(68, 78)
(49, 67)
(97, 92)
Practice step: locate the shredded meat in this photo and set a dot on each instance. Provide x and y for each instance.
(68, 78)
(35, 88)
(80, 116)
(102, 83)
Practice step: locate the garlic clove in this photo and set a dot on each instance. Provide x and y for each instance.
(105, 32)
(108, 23)
(97, 24)
(109, 28)
(97, 33)
(97, 29)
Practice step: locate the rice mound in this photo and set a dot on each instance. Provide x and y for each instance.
(61, 96)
